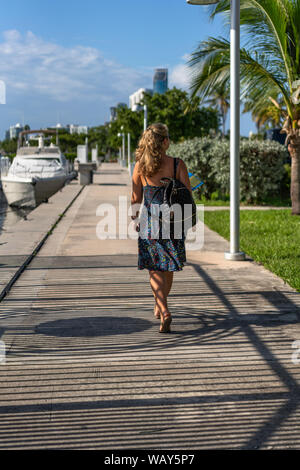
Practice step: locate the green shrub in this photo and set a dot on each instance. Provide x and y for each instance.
(197, 154)
(262, 167)
(286, 180)
(215, 196)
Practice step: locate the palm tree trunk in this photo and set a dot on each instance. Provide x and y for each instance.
(223, 114)
(294, 149)
(223, 124)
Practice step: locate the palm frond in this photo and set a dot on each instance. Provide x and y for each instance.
(272, 27)
(269, 60)
(211, 68)
(210, 64)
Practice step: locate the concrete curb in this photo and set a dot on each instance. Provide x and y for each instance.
(39, 245)
(245, 208)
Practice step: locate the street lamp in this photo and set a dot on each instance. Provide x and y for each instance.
(234, 253)
(202, 2)
(123, 145)
(122, 149)
(128, 149)
(145, 117)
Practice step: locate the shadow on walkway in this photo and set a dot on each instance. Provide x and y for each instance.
(87, 368)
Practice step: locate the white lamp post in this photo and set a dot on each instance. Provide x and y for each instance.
(145, 117)
(130, 164)
(122, 149)
(123, 145)
(234, 253)
(128, 149)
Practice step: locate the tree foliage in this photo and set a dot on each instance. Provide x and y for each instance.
(183, 120)
(269, 69)
(270, 60)
(169, 108)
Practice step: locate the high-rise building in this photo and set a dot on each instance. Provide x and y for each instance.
(114, 110)
(113, 113)
(136, 98)
(14, 131)
(160, 81)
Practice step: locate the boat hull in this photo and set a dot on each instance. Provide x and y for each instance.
(30, 193)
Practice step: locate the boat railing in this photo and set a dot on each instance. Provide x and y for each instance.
(4, 165)
(38, 131)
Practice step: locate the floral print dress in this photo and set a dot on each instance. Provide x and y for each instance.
(159, 254)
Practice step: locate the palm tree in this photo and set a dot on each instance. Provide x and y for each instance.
(270, 67)
(273, 113)
(219, 98)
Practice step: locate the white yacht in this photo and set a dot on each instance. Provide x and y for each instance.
(36, 173)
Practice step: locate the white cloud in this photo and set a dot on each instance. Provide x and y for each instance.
(29, 64)
(44, 79)
(180, 75)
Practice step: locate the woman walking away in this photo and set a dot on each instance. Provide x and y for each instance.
(161, 256)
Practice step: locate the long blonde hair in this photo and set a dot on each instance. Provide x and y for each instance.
(149, 150)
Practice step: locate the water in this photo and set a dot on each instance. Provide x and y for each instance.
(9, 216)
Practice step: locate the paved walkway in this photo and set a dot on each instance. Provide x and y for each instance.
(87, 369)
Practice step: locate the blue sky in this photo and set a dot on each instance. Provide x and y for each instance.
(68, 61)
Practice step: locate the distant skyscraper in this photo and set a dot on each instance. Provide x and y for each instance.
(160, 81)
(113, 113)
(14, 131)
(114, 110)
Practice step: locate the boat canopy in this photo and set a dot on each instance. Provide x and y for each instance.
(36, 166)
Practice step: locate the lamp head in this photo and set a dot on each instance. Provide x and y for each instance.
(202, 2)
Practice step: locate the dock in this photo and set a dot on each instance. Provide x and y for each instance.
(85, 366)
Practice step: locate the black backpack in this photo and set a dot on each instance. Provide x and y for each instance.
(175, 192)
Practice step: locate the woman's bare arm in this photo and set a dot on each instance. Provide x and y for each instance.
(137, 189)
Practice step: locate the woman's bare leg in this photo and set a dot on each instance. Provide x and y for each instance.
(169, 281)
(167, 285)
(158, 285)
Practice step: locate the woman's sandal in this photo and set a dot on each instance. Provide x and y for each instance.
(166, 320)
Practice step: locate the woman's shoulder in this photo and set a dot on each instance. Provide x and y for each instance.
(136, 171)
(137, 167)
(180, 162)
(173, 158)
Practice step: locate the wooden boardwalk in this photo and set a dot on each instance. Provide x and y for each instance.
(87, 369)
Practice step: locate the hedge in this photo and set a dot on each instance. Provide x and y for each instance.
(262, 168)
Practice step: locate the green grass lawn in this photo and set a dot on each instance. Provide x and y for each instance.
(271, 237)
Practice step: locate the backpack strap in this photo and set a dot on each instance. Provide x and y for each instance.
(175, 167)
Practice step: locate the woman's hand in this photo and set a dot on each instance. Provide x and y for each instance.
(137, 225)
